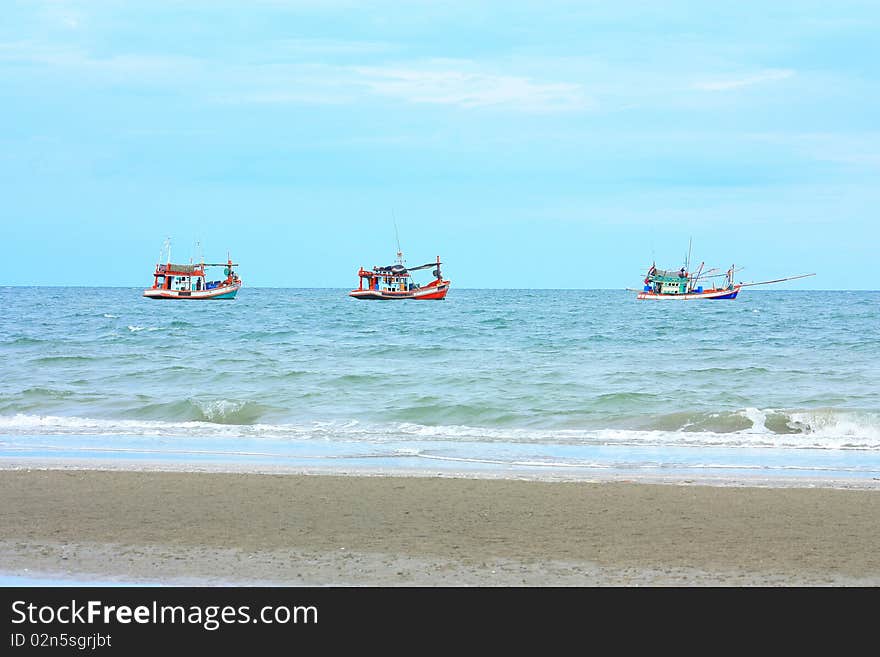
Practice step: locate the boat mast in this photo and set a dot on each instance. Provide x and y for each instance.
(687, 262)
(696, 276)
(400, 260)
(166, 250)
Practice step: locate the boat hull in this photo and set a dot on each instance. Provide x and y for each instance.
(708, 294)
(428, 293)
(223, 292)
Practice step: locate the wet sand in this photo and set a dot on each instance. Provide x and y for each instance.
(220, 528)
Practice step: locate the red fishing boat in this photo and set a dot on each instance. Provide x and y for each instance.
(396, 282)
(176, 281)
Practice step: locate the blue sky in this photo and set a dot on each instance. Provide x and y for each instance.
(530, 144)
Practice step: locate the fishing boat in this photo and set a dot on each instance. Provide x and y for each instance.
(664, 284)
(177, 281)
(686, 286)
(396, 282)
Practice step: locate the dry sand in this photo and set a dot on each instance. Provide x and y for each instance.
(219, 528)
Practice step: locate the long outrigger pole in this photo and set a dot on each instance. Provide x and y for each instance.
(430, 264)
(778, 280)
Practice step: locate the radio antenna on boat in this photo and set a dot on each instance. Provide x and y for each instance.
(400, 260)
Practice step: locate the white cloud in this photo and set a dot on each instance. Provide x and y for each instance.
(285, 76)
(120, 68)
(61, 13)
(860, 149)
(769, 75)
(311, 47)
(472, 89)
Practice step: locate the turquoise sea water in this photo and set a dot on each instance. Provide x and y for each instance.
(775, 384)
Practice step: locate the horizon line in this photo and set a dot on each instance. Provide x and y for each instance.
(551, 289)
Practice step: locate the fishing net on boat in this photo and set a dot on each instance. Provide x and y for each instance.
(665, 273)
(182, 269)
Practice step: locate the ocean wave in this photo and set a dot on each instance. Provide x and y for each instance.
(225, 411)
(621, 399)
(45, 393)
(35, 399)
(828, 422)
(50, 360)
(443, 412)
(24, 340)
(805, 429)
(212, 411)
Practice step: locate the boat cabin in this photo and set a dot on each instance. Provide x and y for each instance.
(661, 281)
(386, 279)
(188, 278)
(396, 282)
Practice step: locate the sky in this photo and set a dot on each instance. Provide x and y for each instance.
(529, 144)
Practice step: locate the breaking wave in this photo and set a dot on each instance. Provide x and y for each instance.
(752, 428)
(136, 329)
(217, 411)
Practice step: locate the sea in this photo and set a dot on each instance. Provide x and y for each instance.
(777, 387)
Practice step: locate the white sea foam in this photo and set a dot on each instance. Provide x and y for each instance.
(135, 328)
(818, 430)
(219, 409)
(758, 419)
(830, 424)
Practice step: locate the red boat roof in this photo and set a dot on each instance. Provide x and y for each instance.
(184, 270)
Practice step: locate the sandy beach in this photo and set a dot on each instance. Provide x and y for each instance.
(229, 528)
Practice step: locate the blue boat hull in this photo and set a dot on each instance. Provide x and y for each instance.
(732, 295)
(690, 296)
